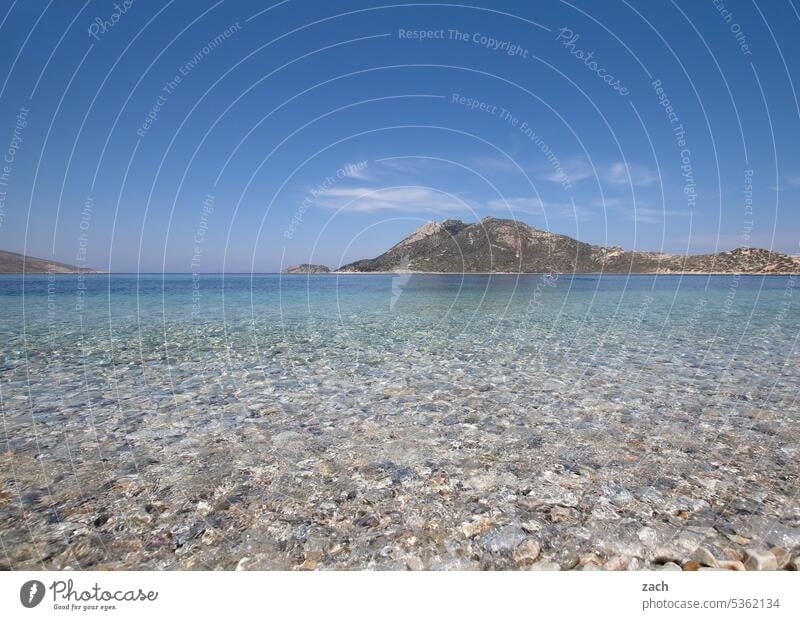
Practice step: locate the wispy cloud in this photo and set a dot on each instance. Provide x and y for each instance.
(357, 170)
(620, 173)
(574, 169)
(534, 206)
(408, 166)
(530, 205)
(577, 169)
(497, 164)
(642, 212)
(647, 215)
(405, 198)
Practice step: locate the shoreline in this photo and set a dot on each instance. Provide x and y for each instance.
(394, 273)
(559, 273)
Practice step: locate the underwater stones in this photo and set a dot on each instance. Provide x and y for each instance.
(343, 443)
(551, 494)
(616, 563)
(669, 566)
(730, 565)
(759, 560)
(704, 557)
(503, 539)
(415, 564)
(559, 514)
(526, 553)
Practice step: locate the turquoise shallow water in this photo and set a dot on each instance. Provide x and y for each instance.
(743, 317)
(393, 420)
(721, 301)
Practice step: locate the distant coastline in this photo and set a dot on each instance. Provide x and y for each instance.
(394, 273)
(15, 263)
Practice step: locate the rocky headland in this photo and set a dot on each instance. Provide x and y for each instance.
(494, 245)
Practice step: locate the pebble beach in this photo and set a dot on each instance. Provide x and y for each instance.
(396, 422)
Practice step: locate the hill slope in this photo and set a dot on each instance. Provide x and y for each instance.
(501, 245)
(11, 262)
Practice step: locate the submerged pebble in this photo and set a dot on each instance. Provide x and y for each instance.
(442, 433)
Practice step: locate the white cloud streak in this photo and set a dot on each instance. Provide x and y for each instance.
(409, 199)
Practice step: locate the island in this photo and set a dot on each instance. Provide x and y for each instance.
(306, 268)
(494, 245)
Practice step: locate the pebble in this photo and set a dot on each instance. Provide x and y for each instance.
(759, 560)
(704, 557)
(526, 553)
(503, 539)
(551, 566)
(616, 563)
(781, 555)
(590, 567)
(730, 565)
(415, 564)
(669, 566)
(242, 564)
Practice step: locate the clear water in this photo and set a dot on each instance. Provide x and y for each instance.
(502, 386)
(729, 306)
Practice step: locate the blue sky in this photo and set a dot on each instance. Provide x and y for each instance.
(327, 131)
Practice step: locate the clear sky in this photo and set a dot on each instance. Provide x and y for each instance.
(197, 135)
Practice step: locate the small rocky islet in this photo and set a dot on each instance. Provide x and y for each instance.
(452, 441)
(306, 268)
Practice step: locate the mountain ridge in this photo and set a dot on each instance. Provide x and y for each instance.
(495, 245)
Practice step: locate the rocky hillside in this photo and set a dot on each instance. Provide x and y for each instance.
(307, 268)
(501, 245)
(11, 262)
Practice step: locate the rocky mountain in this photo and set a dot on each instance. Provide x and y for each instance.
(11, 262)
(307, 268)
(503, 245)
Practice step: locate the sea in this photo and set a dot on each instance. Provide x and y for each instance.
(395, 420)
